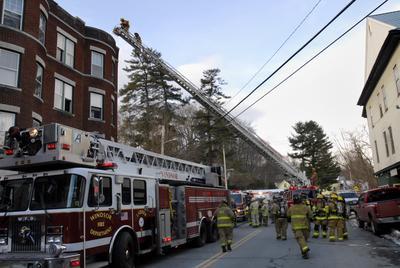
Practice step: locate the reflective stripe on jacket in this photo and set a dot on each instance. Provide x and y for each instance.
(224, 217)
(299, 214)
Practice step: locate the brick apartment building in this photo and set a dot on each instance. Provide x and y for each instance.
(54, 68)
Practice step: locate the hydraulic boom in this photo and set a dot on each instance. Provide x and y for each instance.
(251, 138)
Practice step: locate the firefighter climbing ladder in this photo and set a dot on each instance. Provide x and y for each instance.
(251, 138)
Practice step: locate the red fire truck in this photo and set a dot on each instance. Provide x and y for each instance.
(309, 191)
(75, 196)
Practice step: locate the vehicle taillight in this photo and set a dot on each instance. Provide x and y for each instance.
(167, 239)
(51, 146)
(65, 146)
(9, 152)
(75, 263)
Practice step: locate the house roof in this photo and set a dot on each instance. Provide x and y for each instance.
(391, 18)
(381, 62)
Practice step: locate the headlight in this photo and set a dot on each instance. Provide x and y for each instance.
(3, 241)
(56, 239)
(33, 132)
(56, 250)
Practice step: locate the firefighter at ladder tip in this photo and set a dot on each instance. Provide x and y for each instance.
(299, 215)
(225, 218)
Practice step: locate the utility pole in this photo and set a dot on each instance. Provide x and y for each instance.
(223, 155)
(162, 138)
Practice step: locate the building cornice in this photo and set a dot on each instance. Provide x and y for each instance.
(381, 62)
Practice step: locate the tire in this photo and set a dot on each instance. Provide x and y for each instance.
(213, 234)
(123, 254)
(202, 238)
(360, 222)
(375, 228)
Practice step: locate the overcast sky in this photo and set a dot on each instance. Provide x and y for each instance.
(238, 37)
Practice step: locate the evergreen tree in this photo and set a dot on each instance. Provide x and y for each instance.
(211, 131)
(148, 103)
(311, 146)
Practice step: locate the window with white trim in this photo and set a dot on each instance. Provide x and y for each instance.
(36, 122)
(97, 64)
(9, 67)
(42, 28)
(13, 13)
(63, 96)
(39, 80)
(65, 50)
(391, 140)
(385, 106)
(112, 112)
(96, 105)
(396, 75)
(7, 120)
(376, 151)
(386, 143)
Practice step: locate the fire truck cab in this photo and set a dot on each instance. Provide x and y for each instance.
(309, 191)
(75, 197)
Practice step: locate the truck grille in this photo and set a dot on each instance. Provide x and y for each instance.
(26, 236)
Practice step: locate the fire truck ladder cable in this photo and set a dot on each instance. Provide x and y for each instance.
(291, 57)
(311, 59)
(276, 52)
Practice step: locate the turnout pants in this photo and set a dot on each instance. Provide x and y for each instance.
(281, 225)
(335, 227)
(255, 219)
(300, 236)
(265, 220)
(320, 224)
(225, 235)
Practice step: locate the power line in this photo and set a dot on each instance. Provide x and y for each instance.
(311, 59)
(276, 51)
(291, 57)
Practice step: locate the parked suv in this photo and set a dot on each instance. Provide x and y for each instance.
(351, 199)
(379, 208)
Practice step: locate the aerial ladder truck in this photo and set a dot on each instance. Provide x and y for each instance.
(76, 196)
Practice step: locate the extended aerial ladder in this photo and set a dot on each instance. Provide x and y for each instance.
(244, 133)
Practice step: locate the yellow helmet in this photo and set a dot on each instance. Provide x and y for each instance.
(334, 196)
(320, 196)
(339, 198)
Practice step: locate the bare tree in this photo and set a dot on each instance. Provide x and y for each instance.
(354, 155)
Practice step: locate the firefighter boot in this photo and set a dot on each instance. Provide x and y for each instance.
(223, 249)
(304, 252)
(229, 247)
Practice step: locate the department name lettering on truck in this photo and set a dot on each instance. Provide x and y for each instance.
(75, 196)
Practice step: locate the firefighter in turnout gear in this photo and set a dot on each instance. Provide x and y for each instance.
(299, 215)
(342, 216)
(279, 212)
(307, 202)
(254, 212)
(265, 212)
(320, 211)
(335, 226)
(225, 218)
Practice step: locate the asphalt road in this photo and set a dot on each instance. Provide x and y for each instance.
(257, 247)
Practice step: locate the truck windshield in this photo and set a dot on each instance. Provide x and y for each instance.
(348, 195)
(383, 195)
(14, 195)
(60, 191)
(237, 198)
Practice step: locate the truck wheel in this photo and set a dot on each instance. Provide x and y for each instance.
(202, 238)
(360, 222)
(123, 254)
(213, 235)
(376, 229)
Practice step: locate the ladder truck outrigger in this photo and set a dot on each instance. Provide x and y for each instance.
(231, 123)
(75, 196)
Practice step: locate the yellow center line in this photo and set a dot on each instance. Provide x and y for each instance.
(207, 263)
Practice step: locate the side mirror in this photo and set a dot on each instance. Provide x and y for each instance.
(98, 191)
(119, 203)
